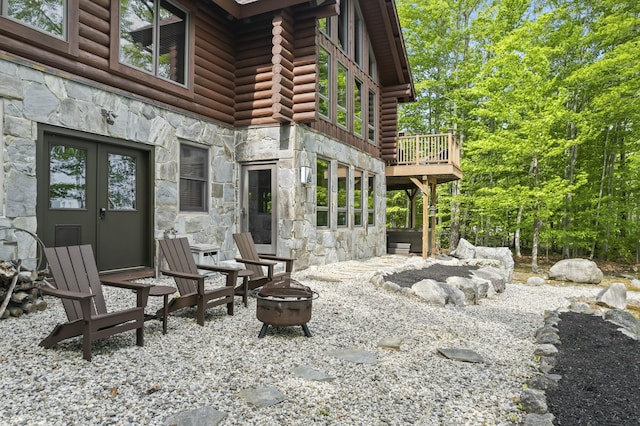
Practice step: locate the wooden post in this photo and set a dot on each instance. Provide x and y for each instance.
(424, 188)
(432, 222)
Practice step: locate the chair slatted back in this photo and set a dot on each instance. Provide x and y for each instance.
(74, 269)
(247, 249)
(180, 259)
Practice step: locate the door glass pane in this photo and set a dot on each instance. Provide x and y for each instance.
(260, 205)
(122, 182)
(67, 177)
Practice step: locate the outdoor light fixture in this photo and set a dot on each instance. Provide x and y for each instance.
(305, 175)
(432, 211)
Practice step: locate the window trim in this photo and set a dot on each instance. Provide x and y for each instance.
(185, 90)
(43, 39)
(206, 179)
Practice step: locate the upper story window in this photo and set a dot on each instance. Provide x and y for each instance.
(49, 16)
(358, 39)
(45, 15)
(343, 26)
(342, 97)
(372, 128)
(324, 83)
(347, 87)
(373, 67)
(153, 38)
(357, 107)
(194, 176)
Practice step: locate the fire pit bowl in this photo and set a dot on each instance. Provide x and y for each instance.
(284, 304)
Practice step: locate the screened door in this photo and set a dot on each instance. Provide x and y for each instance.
(259, 205)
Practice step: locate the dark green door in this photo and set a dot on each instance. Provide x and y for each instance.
(95, 193)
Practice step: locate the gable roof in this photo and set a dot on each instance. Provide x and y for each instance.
(381, 15)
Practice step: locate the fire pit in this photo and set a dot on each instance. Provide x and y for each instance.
(284, 304)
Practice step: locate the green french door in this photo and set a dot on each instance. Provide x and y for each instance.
(95, 193)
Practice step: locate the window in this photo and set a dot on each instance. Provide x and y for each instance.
(49, 16)
(153, 38)
(358, 184)
(342, 111)
(343, 26)
(324, 24)
(357, 107)
(343, 195)
(194, 174)
(373, 67)
(358, 39)
(348, 91)
(371, 117)
(322, 193)
(324, 79)
(371, 198)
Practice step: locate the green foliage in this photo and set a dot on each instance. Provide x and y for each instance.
(544, 96)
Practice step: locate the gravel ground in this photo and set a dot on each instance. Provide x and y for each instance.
(193, 366)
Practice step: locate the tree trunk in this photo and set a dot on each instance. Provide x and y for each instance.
(516, 239)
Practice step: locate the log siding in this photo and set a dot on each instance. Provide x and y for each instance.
(242, 71)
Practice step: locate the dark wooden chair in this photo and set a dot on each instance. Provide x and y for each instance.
(79, 286)
(255, 262)
(190, 282)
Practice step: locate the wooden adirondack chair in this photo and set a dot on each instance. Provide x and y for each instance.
(255, 262)
(78, 284)
(190, 282)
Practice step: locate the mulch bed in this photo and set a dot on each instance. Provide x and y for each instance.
(436, 272)
(600, 374)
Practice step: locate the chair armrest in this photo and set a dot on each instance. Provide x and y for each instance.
(125, 284)
(178, 274)
(65, 294)
(257, 262)
(142, 290)
(287, 260)
(274, 257)
(221, 269)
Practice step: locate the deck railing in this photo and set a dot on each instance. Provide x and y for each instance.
(428, 149)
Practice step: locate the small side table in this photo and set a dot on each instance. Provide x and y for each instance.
(165, 291)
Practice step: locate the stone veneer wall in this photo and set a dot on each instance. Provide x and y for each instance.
(296, 146)
(29, 96)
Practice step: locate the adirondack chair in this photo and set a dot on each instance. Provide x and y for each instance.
(79, 286)
(255, 262)
(190, 282)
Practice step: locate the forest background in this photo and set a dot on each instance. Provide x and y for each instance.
(544, 97)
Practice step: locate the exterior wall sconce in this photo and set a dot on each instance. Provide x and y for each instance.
(432, 211)
(306, 175)
(109, 116)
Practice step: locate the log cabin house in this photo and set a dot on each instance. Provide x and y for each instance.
(128, 121)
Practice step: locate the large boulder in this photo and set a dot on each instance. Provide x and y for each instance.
(576, 270)
(614, 296)
(498, 281)
(467, 251)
